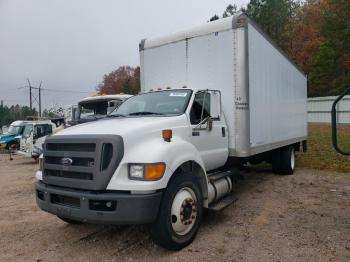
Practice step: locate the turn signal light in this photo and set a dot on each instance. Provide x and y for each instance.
(167, 134)
(154, 171)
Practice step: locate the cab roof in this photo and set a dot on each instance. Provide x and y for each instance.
(17, 123)
(121, 97)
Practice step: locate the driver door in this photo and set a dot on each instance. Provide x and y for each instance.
(209, 131)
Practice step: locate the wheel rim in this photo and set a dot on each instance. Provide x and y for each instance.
(184, 211)
(292, 159)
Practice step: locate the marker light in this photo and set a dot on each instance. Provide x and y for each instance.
(167, 134)
(242, 21)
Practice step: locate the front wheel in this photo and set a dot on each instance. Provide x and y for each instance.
(12, 146)
(180, 213)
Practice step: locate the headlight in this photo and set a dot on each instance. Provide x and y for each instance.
(146, 171)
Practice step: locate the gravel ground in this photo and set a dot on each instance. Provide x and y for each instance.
(305, 217)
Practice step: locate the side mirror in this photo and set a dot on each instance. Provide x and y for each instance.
(215, 104)
(209, 123)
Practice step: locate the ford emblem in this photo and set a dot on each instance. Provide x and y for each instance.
(66, 161)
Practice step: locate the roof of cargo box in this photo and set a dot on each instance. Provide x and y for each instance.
(219, 25)
(208, 28)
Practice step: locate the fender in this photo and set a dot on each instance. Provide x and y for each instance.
(154, 150)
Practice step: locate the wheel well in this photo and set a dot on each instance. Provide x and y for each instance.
(195, 169)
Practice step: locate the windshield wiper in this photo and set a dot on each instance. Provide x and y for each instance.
(144, 113)
(116, 115)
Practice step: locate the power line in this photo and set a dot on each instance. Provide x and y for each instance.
(68, 91)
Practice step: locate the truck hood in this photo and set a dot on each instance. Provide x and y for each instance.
(125, 126)
(6, 136)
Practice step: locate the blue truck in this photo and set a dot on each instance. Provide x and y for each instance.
(11, 139)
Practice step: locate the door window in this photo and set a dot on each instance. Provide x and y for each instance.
(200, 108)
(42, 130)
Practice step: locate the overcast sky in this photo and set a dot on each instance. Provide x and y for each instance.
(71, 44)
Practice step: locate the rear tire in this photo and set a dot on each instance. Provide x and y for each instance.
(287, 161)
(180, 213)
(70, 221)
(283, 161)
(276, 161)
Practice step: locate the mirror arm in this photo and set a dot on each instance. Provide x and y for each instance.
(199, 125)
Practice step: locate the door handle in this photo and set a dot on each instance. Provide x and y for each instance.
(195, 133)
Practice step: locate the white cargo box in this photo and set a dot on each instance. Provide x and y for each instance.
(263, 93)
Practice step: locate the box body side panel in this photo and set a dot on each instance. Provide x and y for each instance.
(277, 95)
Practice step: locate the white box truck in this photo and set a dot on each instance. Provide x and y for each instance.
(214, 97)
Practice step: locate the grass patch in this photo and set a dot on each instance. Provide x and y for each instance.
(321, 154)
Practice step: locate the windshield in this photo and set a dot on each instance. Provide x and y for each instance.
(169, 102)
(92, 110)
(15, 130)
(27, 130)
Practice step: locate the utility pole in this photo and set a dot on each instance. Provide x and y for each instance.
(40, 98)
(30, 94)
(35, 98)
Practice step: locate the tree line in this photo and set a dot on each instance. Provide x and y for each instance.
(9, 114)
(13, 113)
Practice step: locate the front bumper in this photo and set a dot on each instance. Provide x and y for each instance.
(130, 208)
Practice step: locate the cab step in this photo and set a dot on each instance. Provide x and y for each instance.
(223, 203)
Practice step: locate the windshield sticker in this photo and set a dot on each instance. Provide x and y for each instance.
(178, 94)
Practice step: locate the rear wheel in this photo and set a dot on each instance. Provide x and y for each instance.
(283, 161)
(180, 213)
(287, 161)
(70, 221)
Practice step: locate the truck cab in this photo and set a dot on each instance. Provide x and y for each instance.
(11, 139)
(34, 134)
(117, 170)
(95, 107)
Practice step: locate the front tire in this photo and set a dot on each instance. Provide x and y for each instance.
(180, 213)
(12, 146)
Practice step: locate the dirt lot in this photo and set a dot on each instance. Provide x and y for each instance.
(305, 217)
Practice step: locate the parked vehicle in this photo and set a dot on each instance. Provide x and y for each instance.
(11, 138)
(95, 107)
(34, 135)
(214, 98)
